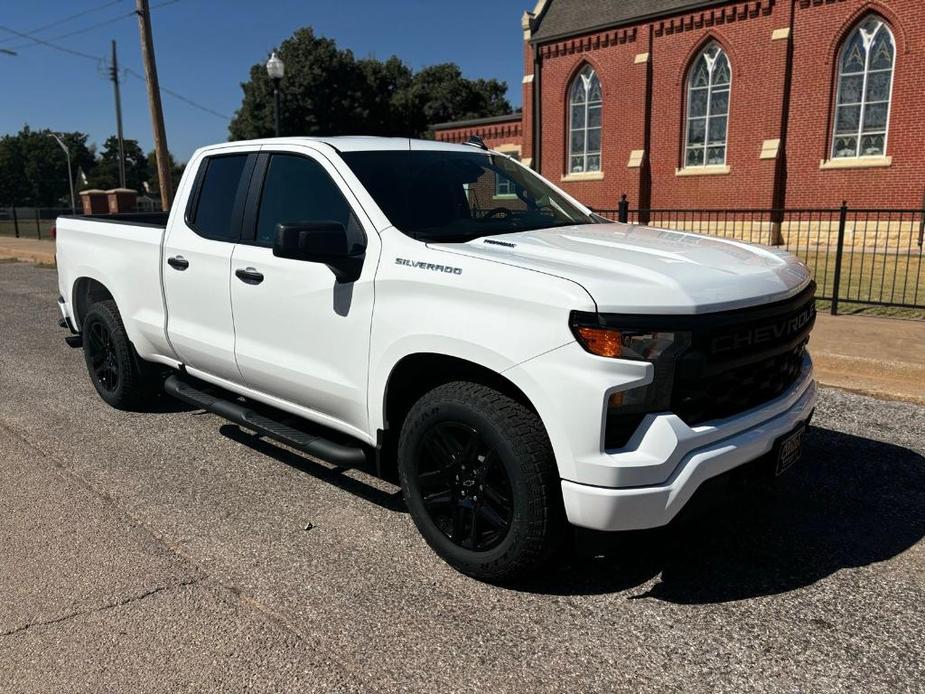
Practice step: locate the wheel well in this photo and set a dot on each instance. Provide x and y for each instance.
(88, 291)
(416, 374)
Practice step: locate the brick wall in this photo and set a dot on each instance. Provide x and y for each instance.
(819, 28)
(495, 135)
(744, 31)
(623, 85)
(652, 59)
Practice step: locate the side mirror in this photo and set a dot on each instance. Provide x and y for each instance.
(321, 242)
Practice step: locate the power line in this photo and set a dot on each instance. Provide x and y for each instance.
(175, 95)
(77, 15)
(33, 40)
(71, 51)
(102, 61)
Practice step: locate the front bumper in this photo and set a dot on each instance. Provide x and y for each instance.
(635, 508)
(647, 482)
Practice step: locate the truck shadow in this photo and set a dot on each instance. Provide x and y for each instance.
(369, 491)
(851, 501)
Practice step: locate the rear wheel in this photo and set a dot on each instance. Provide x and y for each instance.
(479, 477)
(120, 377)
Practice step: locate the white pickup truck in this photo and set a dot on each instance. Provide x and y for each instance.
(520, 362)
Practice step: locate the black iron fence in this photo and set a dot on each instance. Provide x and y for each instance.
(24, 221)
(863, 257)
(30, 222)
(870, 257)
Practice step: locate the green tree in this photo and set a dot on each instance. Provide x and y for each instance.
(440, 93)
(33, 169)
(105, 174)
(327, 91)
(387, 82)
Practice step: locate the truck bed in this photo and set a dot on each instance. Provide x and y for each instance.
(123, 253)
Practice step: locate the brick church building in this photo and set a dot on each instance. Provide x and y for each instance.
(707, 104)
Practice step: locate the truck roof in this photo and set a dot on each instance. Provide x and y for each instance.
(353, 143)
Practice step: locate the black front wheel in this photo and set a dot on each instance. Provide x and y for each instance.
(119, 376)
(480, 481)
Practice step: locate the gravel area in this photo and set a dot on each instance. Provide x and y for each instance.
(167, 552)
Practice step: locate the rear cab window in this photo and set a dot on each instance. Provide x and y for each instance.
(221, 184)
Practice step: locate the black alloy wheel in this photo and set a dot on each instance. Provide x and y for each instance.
(464, 486)
(102, 358)
(480, 480)
(120, 377)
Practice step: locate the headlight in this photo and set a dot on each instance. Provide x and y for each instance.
(624, 344)
(633, 339)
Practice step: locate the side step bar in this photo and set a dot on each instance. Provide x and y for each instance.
(336, 453)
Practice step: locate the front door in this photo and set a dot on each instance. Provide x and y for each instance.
(302, 335)
(197, 262)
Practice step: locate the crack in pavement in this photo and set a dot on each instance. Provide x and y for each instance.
(63, 470)
(100, 608)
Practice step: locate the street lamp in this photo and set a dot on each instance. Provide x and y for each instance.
(275, 70)
(70, 177)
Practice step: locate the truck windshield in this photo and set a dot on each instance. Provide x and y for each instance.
(435, 195)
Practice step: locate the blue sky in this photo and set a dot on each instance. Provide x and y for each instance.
(205, 48)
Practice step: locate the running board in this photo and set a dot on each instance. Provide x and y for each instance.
(336, 453)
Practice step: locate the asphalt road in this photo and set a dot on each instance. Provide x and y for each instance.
(165, 552)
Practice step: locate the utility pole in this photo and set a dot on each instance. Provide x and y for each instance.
(114, 76)
(154, 102)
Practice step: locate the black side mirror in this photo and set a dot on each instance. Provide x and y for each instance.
(321, 242)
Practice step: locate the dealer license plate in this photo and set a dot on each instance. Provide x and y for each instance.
(789, 449)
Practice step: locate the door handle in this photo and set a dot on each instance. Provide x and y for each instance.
(249, 275)
(178, 262)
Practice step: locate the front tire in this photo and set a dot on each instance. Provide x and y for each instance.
(479, 477)
(120, 377)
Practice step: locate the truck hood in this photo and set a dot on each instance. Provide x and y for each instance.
(636, 269)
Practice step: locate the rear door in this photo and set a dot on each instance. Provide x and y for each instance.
(197, 264)
(302, 335)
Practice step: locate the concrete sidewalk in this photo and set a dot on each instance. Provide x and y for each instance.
(883, 357)
(27, 250)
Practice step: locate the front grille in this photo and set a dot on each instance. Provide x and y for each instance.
(741, 359)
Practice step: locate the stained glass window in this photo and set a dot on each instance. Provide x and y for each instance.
(585, 105)
(865, 80)
(708, 86)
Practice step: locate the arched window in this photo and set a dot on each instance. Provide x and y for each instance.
(585, 122)
(708, 85)
(865, 81)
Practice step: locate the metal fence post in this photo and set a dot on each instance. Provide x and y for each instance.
(38, 226)
(15, 222)
(839, 250)
(922, 222)
(623, 210)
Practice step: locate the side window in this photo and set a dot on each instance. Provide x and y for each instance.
(298, 189)
(214, 211)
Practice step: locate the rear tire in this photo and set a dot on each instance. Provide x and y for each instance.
(479, 477)
(121, 378)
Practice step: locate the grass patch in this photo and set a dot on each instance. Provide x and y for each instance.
(871, 277)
